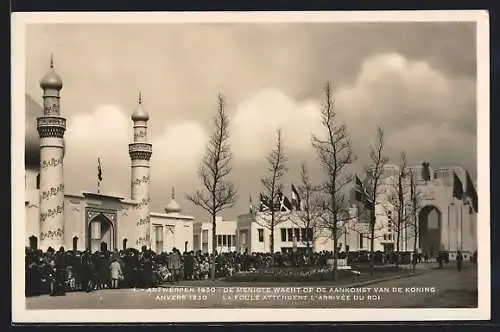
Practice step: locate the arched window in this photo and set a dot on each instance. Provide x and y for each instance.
(75, 243)
(125, 243)
(38, 181)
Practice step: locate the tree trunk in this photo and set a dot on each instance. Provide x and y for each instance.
(415, 242)
(397, 246)
(335, 253)
(398, 236)
(271, 240)
(372, 243)
(214, 246)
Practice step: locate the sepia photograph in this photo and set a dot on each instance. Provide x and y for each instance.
(297, 166)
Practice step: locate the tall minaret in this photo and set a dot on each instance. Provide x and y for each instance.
(140, 152)
(51, 127)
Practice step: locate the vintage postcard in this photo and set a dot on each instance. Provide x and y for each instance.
(297, 166)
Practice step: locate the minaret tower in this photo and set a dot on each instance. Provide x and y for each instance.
(140, 152)
(51, 127)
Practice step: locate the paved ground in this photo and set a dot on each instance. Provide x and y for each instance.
(430, 289)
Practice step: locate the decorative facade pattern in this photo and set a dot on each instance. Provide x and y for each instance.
(51, 127)
(140, 153)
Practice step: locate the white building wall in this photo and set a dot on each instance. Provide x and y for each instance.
(176, 230)
(258, 237)
(74, 219)
(224, 228)
(126, 224)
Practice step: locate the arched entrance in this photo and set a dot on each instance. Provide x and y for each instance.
(100, 230)
(429, 222)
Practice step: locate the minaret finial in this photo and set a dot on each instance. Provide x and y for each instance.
(51, 60)
(140, 97)
(173, 192)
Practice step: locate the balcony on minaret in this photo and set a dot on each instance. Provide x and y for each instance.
(140, 151)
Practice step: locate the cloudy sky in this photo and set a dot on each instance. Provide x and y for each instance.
(416, 80)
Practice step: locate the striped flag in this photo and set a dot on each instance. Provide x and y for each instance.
(284, 203)
(362, 195)
(295, 198)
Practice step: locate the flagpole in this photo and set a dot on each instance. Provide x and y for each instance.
(449, 235)
(461, 228)
(458, 210)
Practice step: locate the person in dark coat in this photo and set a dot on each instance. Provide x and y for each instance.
(174, 264)
(78, 270)
(59, 270)
(189, 263)
(32, 277)
(43, 271)
(460, 260)
(146, 264)
(128, 269)
(87, 271)
(102, 269)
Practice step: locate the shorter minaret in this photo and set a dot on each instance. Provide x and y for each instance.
(51, 127)
(140, 152)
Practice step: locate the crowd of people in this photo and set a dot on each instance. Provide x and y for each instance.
(57, 272)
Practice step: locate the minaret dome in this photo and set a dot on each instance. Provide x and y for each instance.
(140, 114)
(51, 80)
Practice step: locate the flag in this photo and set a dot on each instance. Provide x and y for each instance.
(359, 190)
(99, 169)
(250, 204)
(361, 194)
(286, 205)
(470, 192)
(283, 203)
(264, 203)
(458, 189)
(295, 198)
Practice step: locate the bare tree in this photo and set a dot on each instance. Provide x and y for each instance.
(374, 177)
(310, 218)
(218, 192)
(397, 200)
(413, 205)
(334, 151)
(273, 190)
(362, 226)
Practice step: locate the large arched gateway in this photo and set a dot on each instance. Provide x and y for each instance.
(101, 230)
(429, 222)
